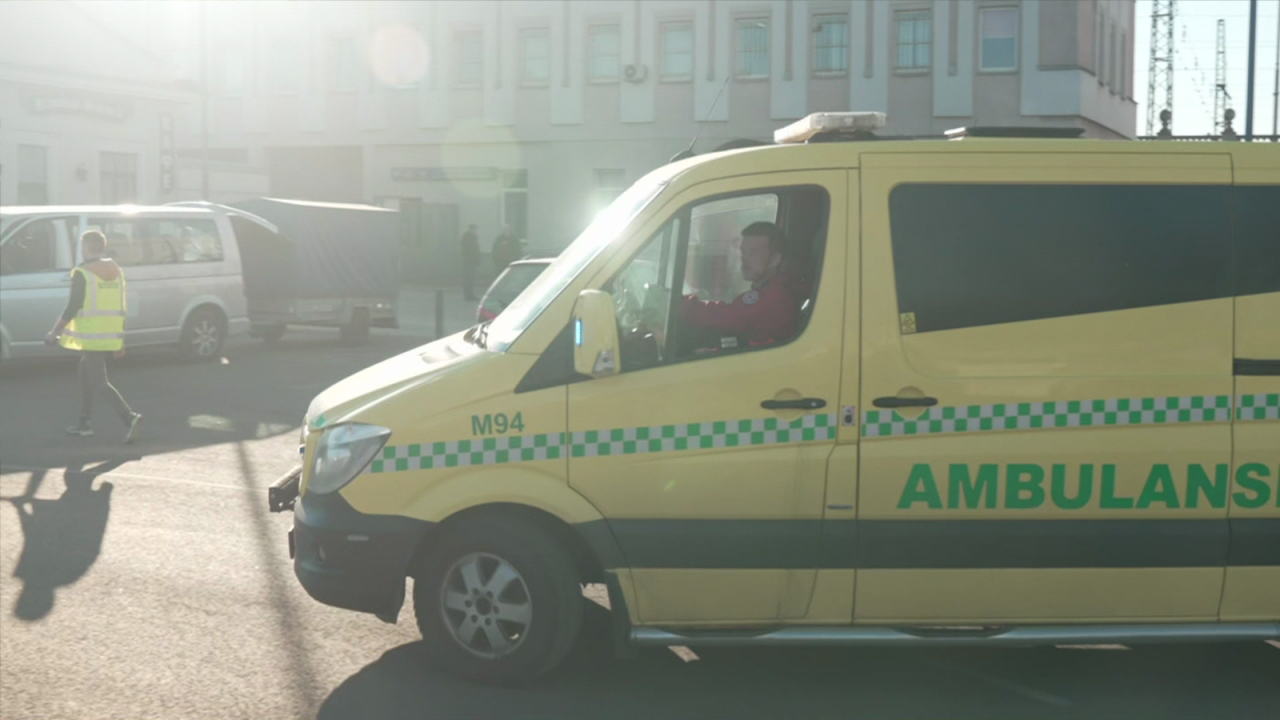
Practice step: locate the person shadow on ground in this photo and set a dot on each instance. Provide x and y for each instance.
(61, 538)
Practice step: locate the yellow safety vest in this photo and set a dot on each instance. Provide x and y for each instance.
(100, 323)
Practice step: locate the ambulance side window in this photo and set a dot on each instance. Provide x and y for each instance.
(696, 261)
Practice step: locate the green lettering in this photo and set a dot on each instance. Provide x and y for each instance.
(1108, 499)
(1214, 491)
(1250, 478)
(1059, 488)
(920, 487)
(517, 423)
(982, 488)
(481, 427)
(1159, 488)
(1020, 479)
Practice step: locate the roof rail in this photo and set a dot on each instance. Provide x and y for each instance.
(1014, 132)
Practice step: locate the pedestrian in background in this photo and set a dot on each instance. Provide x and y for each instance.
(504, 250)
(470, 259)
(93, 325)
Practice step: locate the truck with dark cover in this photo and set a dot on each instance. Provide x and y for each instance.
(320, 264)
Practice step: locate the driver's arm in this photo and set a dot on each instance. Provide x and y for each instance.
(734, 317)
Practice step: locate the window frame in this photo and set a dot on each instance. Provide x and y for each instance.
(684, 215)
(898, 18)
(738, 23)
(460, 37)
(525, 34)
(816, 21)
(593, 30)
(334, 56)
(675, 24)
(983, 13)
(115, 173)
(72, 239)
(23, 182)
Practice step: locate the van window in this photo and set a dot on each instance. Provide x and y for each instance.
(967, 255)
(144, 241)
(712, 312)
(182, 241)
(1257, 237)
(125, 244)
(41, 245)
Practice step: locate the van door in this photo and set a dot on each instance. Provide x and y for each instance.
(35, 281)
(1047, 353)
(707, 452)
(1252, 589)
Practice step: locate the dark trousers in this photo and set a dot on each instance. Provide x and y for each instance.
(93, 379)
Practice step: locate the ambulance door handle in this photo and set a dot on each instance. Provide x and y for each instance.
(798, 404)
(894, 401)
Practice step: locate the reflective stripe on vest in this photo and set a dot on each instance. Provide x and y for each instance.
(99, 325)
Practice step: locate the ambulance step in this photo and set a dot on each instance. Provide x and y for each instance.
(1012, 636)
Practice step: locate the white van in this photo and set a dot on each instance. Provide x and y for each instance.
(182, 266)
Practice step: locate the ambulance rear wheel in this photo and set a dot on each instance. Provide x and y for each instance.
(498, 601)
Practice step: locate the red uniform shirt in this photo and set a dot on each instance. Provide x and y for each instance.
(770, 313)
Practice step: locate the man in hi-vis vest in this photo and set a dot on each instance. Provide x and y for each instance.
(93, 325)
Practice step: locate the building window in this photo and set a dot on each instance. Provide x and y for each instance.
(1115, 62)
(470, 58)
(915, 39)
(285, 67)
(999, 50)
(535, 49)
(605, 48)
(33, 175)
(752, 48)
(229, 77)
(1124, 65)
(677, 51)
(831, 44)
(609, 184)
(344, 64)
(119, 177)
(1098, 44)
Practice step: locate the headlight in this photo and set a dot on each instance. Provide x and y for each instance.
(341, 453)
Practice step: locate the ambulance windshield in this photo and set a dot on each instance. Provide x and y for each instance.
(522, 311)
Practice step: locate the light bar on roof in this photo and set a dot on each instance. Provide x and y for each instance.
(841, 122)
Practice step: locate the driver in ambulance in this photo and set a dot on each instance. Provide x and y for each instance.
(767, 313)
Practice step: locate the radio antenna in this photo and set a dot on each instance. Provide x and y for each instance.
(688, 152)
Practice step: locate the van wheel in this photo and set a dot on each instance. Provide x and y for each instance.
(498, 601)
(356, 331)
(203, 335)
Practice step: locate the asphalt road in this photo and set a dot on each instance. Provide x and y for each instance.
(151, 582)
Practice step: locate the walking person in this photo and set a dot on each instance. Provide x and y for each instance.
(93, 325)
(504, 249)
(470, 259)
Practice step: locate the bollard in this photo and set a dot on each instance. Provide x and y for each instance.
(439, 314)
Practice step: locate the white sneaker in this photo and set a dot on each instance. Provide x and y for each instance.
(81, 430)
(133, 426)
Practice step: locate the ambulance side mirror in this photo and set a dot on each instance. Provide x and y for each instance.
(595, 335)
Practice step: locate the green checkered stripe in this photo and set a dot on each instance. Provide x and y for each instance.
(1042, 415)
(702, 435)
(598, 443)
(462, 453)
(1260, 406)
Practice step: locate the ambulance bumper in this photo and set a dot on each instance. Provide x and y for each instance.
(351, 560)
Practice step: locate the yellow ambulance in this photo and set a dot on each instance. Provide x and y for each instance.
(1028, 392)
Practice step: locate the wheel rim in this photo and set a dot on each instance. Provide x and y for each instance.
(485, 605)
(204, 338)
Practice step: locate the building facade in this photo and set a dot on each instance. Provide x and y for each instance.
(535, 113)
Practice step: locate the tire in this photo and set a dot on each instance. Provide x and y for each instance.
(545, 592)
(356, 331)
(271, 334)
(203, 335)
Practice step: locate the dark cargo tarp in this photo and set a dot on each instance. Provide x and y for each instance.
(329, 251)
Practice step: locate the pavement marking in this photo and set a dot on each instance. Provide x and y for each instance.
(10, 469)
(1274, 643)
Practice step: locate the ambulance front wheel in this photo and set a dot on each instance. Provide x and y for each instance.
(498, 601)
